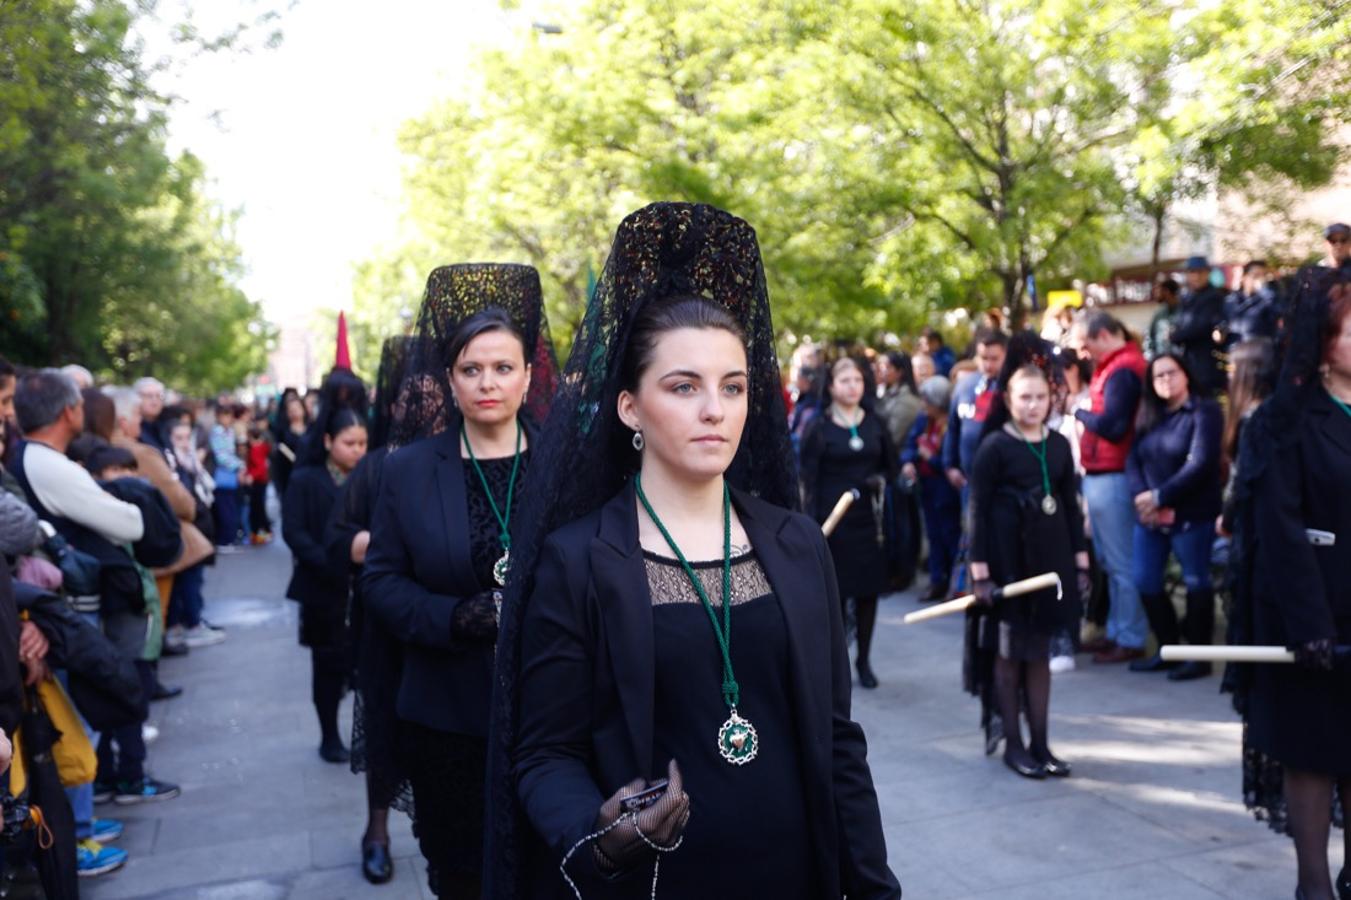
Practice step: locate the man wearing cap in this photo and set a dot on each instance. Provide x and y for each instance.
(1195, 327)
(1338, 236)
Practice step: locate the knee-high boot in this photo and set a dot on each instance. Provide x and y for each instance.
(1199, 627)
(1163, 622)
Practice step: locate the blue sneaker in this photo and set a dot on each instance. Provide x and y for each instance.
(106, 830)
(92, 858)
(147, 790)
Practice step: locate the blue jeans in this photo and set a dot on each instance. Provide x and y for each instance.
(185, 600)
(943, 525)
(1189, 542)
(1112, 513)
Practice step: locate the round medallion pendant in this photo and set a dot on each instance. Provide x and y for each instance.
(856, 443)
(737, 741)
(1048, 505)
(501, 567)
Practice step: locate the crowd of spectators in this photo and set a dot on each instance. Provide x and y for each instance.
(114, 504)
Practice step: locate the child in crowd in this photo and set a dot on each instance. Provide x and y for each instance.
(260, 528)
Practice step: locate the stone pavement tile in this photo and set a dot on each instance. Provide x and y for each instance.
(1146, 881)
(347, 884)
(1034, 842)
(986, 786)
(241, 860)
(1264, 868)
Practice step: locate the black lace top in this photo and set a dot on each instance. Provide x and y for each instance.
(747, 834)
(485, 549)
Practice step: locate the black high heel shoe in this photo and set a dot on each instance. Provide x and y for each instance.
(1027, 768)
(1344, 884)
(994, 734)
(376, 863)
(1056, 768)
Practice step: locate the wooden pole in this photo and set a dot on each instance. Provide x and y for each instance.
(1015, 589)
(841, 507)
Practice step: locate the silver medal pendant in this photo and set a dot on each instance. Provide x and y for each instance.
(501, 567)
(737, 741)
(856, 443)
(1048, 505)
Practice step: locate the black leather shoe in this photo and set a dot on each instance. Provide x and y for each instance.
(1056, 768)
(163, 692)
(1025, 768)
(1190, 671)
(334, 752)
(1155, 663)
(994, 735)
(1344, 884)
(866, 678)
(376, 863)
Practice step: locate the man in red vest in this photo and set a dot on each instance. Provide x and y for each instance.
(1109, 428)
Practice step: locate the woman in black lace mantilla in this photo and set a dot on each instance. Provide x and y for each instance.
(440, 541)
(673, 686)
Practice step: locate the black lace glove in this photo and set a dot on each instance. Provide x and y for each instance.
(662, 823)
(983, 589)
(1315, 655)
(475, 618)
(1084, 581)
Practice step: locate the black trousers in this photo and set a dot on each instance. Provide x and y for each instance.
(258, 520)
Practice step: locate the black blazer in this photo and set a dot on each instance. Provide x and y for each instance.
(586, 715)
(418, 568)
(1303, 589)
(320, 588)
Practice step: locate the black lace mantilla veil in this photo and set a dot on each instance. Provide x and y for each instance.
(1268, 436)
(397, 356)
(584, 456)
(453, 294)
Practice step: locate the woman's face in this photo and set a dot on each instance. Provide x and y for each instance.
(181, 438)
(1338, 356)
(691, 402)
(846, 386)
(1029, 400)
(295, 409)
(346, 448)
(490, 378)
(1170, 382)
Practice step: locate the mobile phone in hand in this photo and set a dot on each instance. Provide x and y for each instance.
(646, 797)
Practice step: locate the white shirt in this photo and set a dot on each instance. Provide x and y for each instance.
(66, 489)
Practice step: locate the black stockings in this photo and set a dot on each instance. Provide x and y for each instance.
(1308, 798)
(329, 668)
(377, 817)
(865, 609)
(1016, 682)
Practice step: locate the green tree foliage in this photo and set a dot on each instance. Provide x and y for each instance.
(896, 159)
(112, 255)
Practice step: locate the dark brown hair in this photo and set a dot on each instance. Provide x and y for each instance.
(485, 321)
(670, 314)
(100, 413)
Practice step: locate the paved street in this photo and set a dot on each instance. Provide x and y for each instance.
(1153, 809)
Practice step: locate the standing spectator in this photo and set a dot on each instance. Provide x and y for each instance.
(807, 407)
(1158, 339)
(931, 344)
(1109, 428)
(1254, 310)
(921, 461)
(83, 378)
(151, 393)
(1174, 475)
(1196, 327)
(970, 405)
(897, 402)
(922, 365)
(1338, 237)
(230, 476)
(185, 627)
(260, 527)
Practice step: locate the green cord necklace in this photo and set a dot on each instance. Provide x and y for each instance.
(737, 740)
(855, 440)
(500, 567)
(1048, 504)
(1340, 405)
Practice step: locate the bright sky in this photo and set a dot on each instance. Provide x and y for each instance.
(302, 138)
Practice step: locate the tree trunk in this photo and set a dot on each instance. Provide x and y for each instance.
(1159, 213)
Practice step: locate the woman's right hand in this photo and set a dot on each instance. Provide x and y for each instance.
(662, 823)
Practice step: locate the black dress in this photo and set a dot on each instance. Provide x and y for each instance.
(1301, 591)
(1012, 534)
(829, 468)
(319, 588)
(770, 856)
